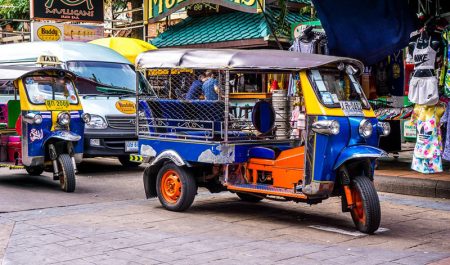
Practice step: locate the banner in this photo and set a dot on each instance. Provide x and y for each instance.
(65, 32)
(67, 10)
(157, 9)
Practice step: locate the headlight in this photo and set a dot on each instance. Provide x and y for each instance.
(86, 117)
(96, 122)
(365, 128)
(328, 127)
(63, 118)
(384, 128)
(33, 118)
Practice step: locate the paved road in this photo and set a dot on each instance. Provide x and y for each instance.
(107, 221)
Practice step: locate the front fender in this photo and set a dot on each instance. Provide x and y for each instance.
(64, 136)
(357, 152)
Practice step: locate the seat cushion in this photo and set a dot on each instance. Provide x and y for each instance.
(263, 152)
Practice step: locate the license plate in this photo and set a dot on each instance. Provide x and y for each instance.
(131, 146)
(57, 104)
(352, 108)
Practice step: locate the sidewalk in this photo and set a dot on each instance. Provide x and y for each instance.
(396, 176)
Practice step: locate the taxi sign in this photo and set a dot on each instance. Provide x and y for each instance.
(57, 104)
(48, 60)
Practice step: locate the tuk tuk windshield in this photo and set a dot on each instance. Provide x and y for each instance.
(334, 87)
(42, 88)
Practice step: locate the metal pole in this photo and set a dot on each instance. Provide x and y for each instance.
(137, 102)
(227, 104)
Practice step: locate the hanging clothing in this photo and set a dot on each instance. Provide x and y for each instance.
(423, 90)
(424, 58)
(446, 119)
(428, 150)
(397, 72)
(383, 82)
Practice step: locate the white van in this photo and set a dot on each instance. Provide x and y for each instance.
(107, 91)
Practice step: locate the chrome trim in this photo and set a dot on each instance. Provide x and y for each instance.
(380, 127)
(31, 118)
(325, 127)
(360, 128)
(59, 118)
(172, 156)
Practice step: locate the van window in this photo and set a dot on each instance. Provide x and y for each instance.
(118, 77)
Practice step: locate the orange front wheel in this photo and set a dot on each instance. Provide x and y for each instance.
(366, 213)
(176, 187)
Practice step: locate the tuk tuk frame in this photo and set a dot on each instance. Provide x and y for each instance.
(337, 178)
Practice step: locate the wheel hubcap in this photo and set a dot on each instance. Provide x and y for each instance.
(358, 209)
(171, 186)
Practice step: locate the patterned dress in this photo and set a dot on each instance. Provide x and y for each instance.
(428, 150)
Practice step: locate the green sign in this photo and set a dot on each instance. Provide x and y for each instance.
(158, 9)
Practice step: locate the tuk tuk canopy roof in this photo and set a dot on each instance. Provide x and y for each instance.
(11, 73)
(216, 59)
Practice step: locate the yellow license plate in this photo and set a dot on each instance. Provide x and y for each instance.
(57, 104)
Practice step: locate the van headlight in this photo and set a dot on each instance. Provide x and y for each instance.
(327, 127)
(63, 118)
(96, 122)
(384, 128)
(86, 117)
(365, 128)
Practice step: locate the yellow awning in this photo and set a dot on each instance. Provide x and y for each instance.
(128, 47)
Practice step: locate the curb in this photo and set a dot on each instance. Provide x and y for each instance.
(413, 186)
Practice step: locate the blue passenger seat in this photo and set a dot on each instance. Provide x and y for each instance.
(264, 152)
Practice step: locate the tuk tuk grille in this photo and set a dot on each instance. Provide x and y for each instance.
(121, 122)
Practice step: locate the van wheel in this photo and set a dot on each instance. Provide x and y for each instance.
(34, 170)
(176, 187)
(66, 172)
(125, 161)
(366, 213)
(249, 197)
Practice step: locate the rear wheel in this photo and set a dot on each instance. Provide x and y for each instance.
(176, 187)
(249, 197)
(366, 213)
(34, 170)
(125, 161)
(66, 172)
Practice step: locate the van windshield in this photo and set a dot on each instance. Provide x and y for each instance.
(118, 78)
(42, 88)
(334, 87)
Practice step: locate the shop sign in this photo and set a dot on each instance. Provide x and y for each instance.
(49, 33)
(67, 10)
(126, 106)
(158, 9)
(65, 32)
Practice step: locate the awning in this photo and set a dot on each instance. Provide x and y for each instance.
(367, 30)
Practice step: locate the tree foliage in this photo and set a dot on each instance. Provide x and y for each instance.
(15, 9)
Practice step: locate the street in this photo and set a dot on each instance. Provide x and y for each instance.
(108, 221)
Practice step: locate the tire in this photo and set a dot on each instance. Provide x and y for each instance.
(366, 213)
(125, 161)
(176, 187)
(67, 173)
(34, 170)
(249, 197)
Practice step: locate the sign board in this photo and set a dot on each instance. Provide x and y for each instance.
(155, 10)
(67, 10)
(65, 32)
